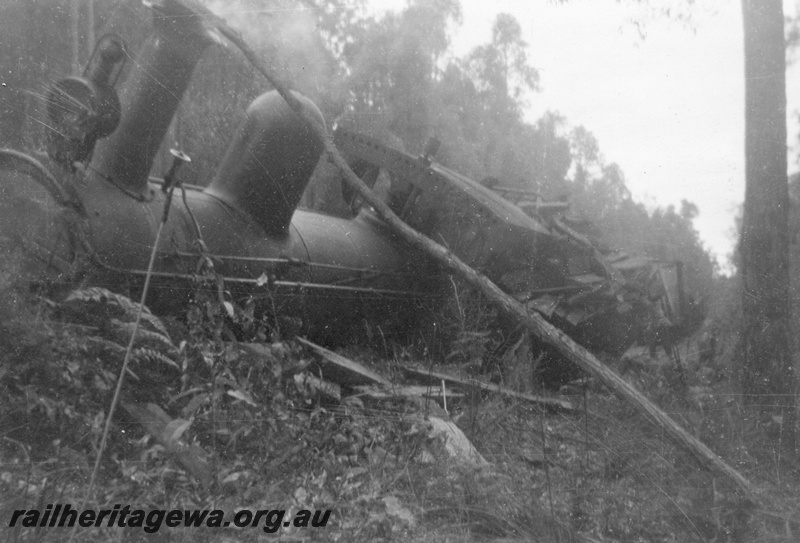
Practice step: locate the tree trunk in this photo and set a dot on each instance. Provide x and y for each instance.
(768, 376)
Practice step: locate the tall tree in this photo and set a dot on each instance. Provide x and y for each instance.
(768, 376)
(501, 68)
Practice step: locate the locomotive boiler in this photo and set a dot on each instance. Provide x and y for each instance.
(89, 209)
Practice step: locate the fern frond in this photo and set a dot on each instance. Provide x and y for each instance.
(155, 322)
(143, 354)
(101, 295)
(128, 307)
(142, 334)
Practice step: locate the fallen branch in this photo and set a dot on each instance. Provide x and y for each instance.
(534, 322)
(435, 377)
(405, 391)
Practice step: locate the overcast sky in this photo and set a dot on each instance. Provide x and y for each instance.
(669, 108)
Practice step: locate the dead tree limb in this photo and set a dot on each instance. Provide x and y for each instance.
(555, 404)
(533, 321)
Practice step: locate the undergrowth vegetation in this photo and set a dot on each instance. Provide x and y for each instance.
(247, 426)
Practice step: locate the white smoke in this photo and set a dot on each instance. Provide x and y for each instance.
(285, 32)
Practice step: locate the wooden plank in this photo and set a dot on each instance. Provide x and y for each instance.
(434, 377)
(341, 370)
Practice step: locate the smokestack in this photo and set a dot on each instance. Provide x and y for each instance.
(152, 94)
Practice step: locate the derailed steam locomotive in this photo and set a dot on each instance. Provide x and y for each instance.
(89, 210)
